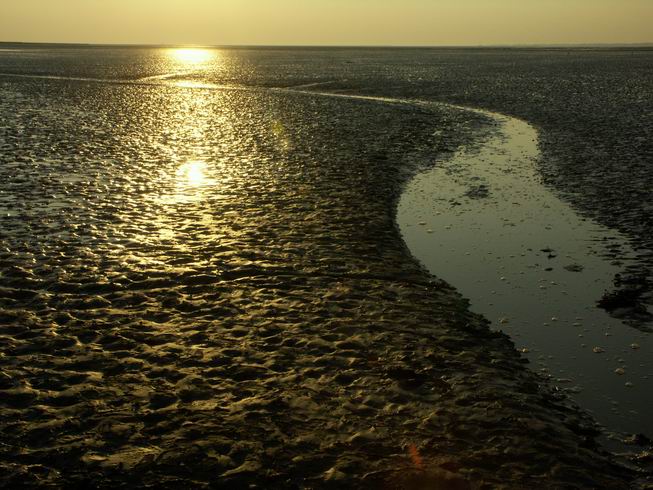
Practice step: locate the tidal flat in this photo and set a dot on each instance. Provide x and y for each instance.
(203, 284)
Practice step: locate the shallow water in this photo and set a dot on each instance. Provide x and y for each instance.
(483, 221)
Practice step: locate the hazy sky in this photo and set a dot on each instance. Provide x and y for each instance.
(350, 22)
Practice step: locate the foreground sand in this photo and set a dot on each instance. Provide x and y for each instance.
(273, 332)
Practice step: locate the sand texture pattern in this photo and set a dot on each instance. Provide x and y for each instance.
(207, 289)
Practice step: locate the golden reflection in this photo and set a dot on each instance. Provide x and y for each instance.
(188, 194)
(192, 56)
(192, 183)
(281, 135)
(194, 84)
(193, 174)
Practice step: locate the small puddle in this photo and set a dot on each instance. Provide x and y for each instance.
(483, 222)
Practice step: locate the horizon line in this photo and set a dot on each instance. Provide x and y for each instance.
(408, 46)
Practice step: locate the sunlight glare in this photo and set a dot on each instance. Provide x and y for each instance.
(193, 174)
(192, 56)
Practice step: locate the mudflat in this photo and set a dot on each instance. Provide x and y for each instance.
(206, 287)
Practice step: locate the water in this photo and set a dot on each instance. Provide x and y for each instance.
(484, 222)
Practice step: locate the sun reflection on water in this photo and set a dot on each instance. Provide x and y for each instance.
(192, 56)
(193, 174)
(194, 84)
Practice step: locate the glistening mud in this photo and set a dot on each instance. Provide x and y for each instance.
(206, 287)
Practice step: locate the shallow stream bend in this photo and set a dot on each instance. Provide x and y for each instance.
(483, 221)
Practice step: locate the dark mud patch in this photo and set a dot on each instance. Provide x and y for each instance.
(629, 301)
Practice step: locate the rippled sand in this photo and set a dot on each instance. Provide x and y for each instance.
(206, 287)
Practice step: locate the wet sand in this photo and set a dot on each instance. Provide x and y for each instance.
(200, 289)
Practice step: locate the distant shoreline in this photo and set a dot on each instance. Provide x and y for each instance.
(598, 46)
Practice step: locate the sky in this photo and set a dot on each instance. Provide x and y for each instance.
(328, 22)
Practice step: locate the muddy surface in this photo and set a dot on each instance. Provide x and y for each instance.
(207, 288)
(594, 109)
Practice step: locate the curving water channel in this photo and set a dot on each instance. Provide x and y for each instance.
(483, 221)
